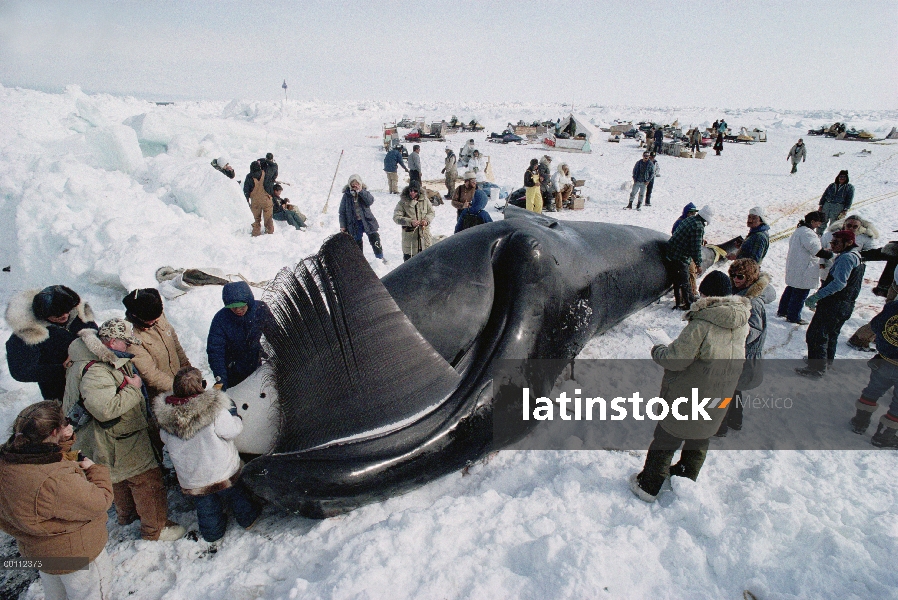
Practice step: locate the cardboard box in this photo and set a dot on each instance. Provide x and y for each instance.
(700, 154)
(579, 202)
(579, 182)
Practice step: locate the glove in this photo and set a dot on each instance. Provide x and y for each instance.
(811, 302)
(218, 386)
(826, 254)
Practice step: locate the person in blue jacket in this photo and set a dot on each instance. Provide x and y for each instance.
(757, 241)
(474, 213)
(883, 375)
(234, 345)
(392, 162)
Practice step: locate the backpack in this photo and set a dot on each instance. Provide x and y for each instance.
(80, 416)
(471, 220)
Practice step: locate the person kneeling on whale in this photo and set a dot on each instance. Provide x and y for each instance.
(708, 355)
(198, 428)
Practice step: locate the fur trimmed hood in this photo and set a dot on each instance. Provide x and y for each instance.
(95, 347)
(866, 228)
(33, 331)
(186, 420)
(724, 311)
(757, 288)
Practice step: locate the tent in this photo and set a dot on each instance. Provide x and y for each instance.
(581, 133)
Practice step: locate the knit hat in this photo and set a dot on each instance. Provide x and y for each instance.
(716, 283)
(846, 235)
(470, 175)
(221, 161)
(117, 329)
(758, 212)
(145, 304)
(706, 213)
(54, 301)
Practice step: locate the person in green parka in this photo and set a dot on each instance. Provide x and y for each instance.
(708, 355)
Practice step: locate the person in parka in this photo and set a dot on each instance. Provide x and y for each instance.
(103, 381)
(473, 214)
(563, 186)
(159, 355)
(234, 345)
(198, 427)
(44, 323)
(757, 241)
(707, 355)
(802, 267)
(356, 217)
(749, 282)
(659, 140)
(414, 213)
(836, 200)
(55, 505)
(260, 203)
(451, 171)
(546, 188)
(798, 153)
(392, 162)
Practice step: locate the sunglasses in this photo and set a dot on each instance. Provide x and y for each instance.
(738, 276)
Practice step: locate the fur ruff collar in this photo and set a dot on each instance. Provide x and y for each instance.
(757, 288)
(715, 301)
(186, 420)
(98, 348)
(29, 328)
(866, 228)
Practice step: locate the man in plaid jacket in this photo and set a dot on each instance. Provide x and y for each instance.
(685, 246)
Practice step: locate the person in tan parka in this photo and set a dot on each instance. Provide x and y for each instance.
(54, 506)
(102, 379)
(708, 355)
(415, 213)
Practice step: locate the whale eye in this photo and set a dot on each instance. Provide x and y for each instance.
(245, 407)
(262, 395)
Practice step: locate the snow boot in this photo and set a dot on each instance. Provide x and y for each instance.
(638, 491)
(629, 206)
(860, 421)
(886, 435)
(811, 373)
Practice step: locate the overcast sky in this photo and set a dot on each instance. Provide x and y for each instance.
(783, 54)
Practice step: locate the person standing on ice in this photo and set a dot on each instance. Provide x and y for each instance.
(44, 323)
(414, 213)
(749, 282)
(883, 375)
(414, 164)
(802, 267)
(450, 170)
(271, 172)
(651, 184)
(834, 303)
(531, 185)
(259, 200)
(708, 355)
(643, 173)
(356, 218)
(797, 154)
(659, 140)
(234, 346)
(685, 247)
(836, 200)
(392, 162)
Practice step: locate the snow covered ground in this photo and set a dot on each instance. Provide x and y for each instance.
(97, 192)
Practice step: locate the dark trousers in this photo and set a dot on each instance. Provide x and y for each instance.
(733, 418)
(373, 237)
(211, 516)
(823, 335)
(679, 273)
(657, 466)
(414, 175)
(791, 303)
(648, 192)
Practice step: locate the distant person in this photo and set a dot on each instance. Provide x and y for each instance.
(695, 140)
(798, 153)
(271, 172)
(545, 183)
(708, 354)
(802, 267)
(54, 504)
(450, 170)
(643, 172)
(562, 184)
(650, 186)
(284, 211)
(392, 162)
(356, 217)
(478, 165)
(466, 152)
(222, 165)
(199, 427)
(44, 323)
(234, 346)
(414, 164)
(259, 200)
(531, 185)
(414, 213)
(834, 303)
(722, 127)
(659, 140)
(718, 144)
(104, 382)
(836, 200)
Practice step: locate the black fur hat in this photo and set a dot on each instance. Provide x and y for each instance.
(54, 301)
(716, 283)
(144, 304)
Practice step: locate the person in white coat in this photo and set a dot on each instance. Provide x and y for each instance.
(866, 237)
(801, 267)
(198, 427)
(562, 184)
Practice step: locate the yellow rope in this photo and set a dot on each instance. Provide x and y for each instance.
(866, 202)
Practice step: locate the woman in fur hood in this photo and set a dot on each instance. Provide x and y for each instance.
(708, 355)
(44, 323)
(866, 237)
(356, 217)
(198, 427)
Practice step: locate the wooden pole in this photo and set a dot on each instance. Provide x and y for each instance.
(324, 210)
